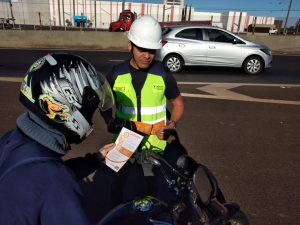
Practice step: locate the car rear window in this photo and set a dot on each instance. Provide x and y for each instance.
(191, 33)
(165, 30)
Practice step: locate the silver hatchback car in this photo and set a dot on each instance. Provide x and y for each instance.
(211, 46)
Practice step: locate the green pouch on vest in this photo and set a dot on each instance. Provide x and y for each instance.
(153, 143)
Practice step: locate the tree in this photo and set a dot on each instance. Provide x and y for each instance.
(297, 26)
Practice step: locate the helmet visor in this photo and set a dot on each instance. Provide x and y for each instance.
(105, 94)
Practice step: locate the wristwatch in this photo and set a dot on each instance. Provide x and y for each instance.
(172, 123)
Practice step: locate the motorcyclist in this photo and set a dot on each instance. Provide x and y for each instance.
(61, 92)
(141, 87)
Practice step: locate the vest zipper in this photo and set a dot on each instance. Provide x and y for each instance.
(138, 99)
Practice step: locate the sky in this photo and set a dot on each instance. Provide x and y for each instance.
(276, 8)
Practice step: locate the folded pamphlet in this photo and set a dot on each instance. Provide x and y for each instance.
(126, 144)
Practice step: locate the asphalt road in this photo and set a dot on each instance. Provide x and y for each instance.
(246, 129)
(285, 68)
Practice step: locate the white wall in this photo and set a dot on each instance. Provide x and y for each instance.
(107, 11)
(206, 16)
(4, 10)
(234, 19)
(26, 12)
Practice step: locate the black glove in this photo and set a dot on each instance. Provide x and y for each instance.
(115, 125)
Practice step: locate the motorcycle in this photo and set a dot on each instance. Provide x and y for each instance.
(199, 199)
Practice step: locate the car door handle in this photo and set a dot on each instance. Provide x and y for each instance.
(212, 47)
(181, 45)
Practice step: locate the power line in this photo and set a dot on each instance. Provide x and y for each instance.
(287, 17)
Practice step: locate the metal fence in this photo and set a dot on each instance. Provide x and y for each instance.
(97, 15)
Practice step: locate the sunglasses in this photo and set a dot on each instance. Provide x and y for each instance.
(150, 51)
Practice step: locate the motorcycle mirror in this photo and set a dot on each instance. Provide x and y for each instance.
(203, 184)
(187, 164)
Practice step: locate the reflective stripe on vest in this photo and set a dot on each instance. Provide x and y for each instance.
(144, 110)
(153, 104)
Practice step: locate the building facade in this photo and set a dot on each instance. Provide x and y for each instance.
(101, 13)
(174, 2)
(26, 11)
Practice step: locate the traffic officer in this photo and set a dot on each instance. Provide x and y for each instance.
(142, 87)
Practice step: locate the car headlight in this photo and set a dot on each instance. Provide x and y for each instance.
(266, 51)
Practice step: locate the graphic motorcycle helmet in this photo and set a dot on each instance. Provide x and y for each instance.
(65, 90)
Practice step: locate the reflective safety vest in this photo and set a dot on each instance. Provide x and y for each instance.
(149, 107)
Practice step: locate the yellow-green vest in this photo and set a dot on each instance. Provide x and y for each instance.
(152, 103)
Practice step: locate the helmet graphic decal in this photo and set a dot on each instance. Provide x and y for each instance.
(37, 64)
(53, 109)
(61, 97)
(26, 88)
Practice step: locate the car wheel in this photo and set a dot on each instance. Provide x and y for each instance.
(174, 63)
(253, 65)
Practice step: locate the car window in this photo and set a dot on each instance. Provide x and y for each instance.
(126, 17)
(191, 33)
(219, 36)
(165, 30)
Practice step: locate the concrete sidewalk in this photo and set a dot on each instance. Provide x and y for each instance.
(287, 51)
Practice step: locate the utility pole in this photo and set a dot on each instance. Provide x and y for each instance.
(11, 12)
(110, 11)
(239, 24)
(189, 19)
(254, 24)
(40, 19)
(297, 26)
(164, 8)
(74, 13)
(287, 17)
(123, 5)
(63, 8)
(95, 5)
(59, 19)
(185, 12)
(182, 15)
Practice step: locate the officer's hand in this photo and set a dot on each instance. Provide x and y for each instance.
(105, 149)
(116, 125)
(163, 133)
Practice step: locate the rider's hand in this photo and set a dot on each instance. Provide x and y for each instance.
(104, 150)
(160, 133)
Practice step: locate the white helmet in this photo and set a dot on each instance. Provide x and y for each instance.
(145, 32)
